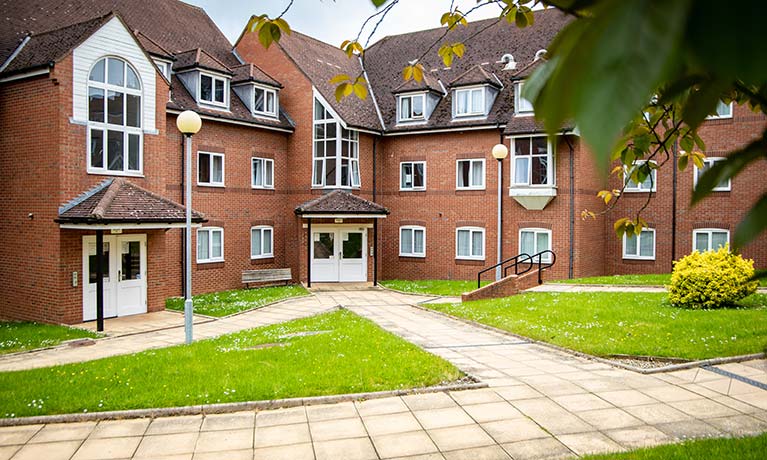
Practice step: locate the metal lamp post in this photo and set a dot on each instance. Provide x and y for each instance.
(500, 152)
(189, 123)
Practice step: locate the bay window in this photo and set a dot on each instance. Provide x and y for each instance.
(470, 243)
(261, 242)
(210, 244)
(532, 162)
(412, 241)
(336, 154)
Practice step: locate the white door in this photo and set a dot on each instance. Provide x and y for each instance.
(324, 256)
(353, 266)
(339, 254)
(89, 278)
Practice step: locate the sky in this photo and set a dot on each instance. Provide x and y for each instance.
(334, 21)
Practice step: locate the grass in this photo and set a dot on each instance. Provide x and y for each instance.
(342, 353)
(607, 323)
(657, 279)
(20, 336)
(753, 448)
(226, 303)
(436, 287)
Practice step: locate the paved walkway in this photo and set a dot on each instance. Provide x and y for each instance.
(541, 404)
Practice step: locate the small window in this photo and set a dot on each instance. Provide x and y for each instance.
(724, 186)
(532, 161)
(164, 68)
(263, 173)
(521, 105)
(412, 175)
(261, 242)
(265, 102)
(470, 243)
(411, 107)
(722, 111)
(640, 246)
(210, 169)
(212, 89)
(412, 241)
(210, 244)
(469, 102)
(650, 183)
(535, 240)
(471, 175)
(709, 239)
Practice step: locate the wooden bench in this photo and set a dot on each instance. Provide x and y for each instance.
(270, 276)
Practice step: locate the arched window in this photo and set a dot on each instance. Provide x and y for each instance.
(114, 118)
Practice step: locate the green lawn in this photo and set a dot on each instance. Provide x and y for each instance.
(606, 323)
(658, 279)
(719, 449)
(435, 287)
(19, 336)
(334, 353)
(226, 303)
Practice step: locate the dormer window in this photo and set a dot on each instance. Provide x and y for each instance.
(470, 102)
(212, 90)
(164, 67)
(411, 107)
(265, 101)
(521, 105)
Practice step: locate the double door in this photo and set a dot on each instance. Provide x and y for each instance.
(339, 254)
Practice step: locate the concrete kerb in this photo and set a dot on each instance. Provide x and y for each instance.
(639, 370)
(418, 294)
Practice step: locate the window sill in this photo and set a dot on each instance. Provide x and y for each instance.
(468, 189)
(634, 190)
(255, 187)
(413, 189)
(469, 117)
(646, 259)
(413, 256)
(115, 173)
(265, 256)
(525, 114)
(268, 116)
(211, 185)
(474, 259)
(533, 198)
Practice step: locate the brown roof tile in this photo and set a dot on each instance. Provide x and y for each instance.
(199, 58)
(340, 202)
(251, 72)
(475, 75)
(427, 83)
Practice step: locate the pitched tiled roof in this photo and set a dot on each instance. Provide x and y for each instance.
(151, 46)
(427, 83)
(340, 202)
(251, 72)
(199, 58)
(476, 75)
(119, 201)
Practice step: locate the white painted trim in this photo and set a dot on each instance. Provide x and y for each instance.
(471, 168)
(210, 258)
(213, 103)
(639, 237)
(223, 169)
(535, 231)
(723, 117)
(638, 188)
(551, 166)
(266, 90)
(127, 226)
(372, 93)
(517, 96)
(30, 74)
(234, 122)
(414, 188)
(15, 53)
(727, 188)
(471, 231)
(420, 255)
(470, 115)
(444, 130)
(264, 255)
(253, 176)
(343, 216)
(423, 117)
(709, 232)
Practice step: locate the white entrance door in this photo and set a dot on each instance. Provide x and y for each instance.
(339, 254)
(124, 266)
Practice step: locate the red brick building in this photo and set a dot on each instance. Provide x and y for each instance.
(400, 185)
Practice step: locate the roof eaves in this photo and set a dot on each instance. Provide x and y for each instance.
(84, 196)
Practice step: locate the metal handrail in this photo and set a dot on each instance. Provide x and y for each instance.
(519, 259)
(499, 264)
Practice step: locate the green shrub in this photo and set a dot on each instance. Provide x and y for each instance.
(711, 279)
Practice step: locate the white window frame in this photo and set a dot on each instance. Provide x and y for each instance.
(265, 162)
(211, 155)
(105, 126)
(412, 165)
(471, 231)
(262, 229)
(550, 166)
(164, 67)
(639, 188)
(355, 179)
(716, 115)
(639, 244)
(210, 258)
(470, 101)
(709, 162)
(267, 91)
(519, 101)
(546, 258)
(472, 161)
(412, 229)
(215, 77)
(709, 232)
(400, 116)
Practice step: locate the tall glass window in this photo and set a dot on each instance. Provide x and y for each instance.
(336, 158)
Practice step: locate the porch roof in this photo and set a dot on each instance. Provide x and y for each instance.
(341, 203)
(117, 202)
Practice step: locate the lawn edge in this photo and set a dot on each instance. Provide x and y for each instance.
(639, 370)
(308, 294)
(435, 296)
(222, 408)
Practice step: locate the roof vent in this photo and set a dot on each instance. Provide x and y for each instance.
(508, 59)
(539, 54)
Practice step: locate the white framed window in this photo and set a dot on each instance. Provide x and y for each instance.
(115, 138)
(532, 161)
(210, 245)
(412, 241)
(262, 173)
(470, 243)
(412, 175)
(724, 186)
(640, 246)
(722, 111)
(469, 102)
(213, 89)
(535, 240)
(470, 174)
(411, 107)
(261, 242)
(521, 105)
(650, 183)
(265, 101)
(709, 239)
(210, 169)
(164, 67)
(336, 152)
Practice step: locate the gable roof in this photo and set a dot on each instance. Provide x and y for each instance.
(199, 58)
(427, 83)
(252, 73)
(340, 202)
(475, 75)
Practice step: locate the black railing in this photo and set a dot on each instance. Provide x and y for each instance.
(518, 264)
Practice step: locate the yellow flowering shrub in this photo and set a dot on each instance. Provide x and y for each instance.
(712, 279)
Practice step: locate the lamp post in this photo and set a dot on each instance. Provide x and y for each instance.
(189, 123)
(500, 152)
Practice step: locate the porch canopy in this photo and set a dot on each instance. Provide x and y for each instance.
(341, 204)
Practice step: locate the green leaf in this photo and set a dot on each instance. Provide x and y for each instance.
(683, 160)
(752, 225)
(702, 102)
(728, 168)
(378, 3)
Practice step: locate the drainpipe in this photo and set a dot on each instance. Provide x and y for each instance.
(674, 150)
(571, 260)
